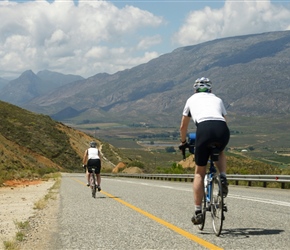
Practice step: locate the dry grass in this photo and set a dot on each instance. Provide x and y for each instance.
(52, 193)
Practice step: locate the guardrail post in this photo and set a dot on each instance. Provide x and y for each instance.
(264, 184)
(249, 183)
(282, 185)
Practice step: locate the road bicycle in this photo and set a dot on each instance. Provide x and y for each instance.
(93, 184)
(213, 200)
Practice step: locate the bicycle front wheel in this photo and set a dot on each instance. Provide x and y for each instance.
(217, 203)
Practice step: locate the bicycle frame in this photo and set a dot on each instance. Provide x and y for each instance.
(208, 182)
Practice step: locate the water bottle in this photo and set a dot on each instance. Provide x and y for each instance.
(191, 139)
(205, 184)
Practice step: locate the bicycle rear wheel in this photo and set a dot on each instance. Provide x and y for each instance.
(201, 226)
(93, 185)
(217, 204)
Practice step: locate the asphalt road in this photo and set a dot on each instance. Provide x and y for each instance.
(148, 214)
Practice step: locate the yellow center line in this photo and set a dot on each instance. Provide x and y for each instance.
(163, 222)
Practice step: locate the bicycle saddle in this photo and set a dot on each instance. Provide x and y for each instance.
(215, 151)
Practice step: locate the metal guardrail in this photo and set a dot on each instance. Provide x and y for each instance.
(283, 179)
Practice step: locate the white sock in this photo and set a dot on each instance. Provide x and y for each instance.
(197, 208)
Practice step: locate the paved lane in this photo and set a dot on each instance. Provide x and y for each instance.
(147, 214)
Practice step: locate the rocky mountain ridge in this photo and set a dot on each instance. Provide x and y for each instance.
(250, 73)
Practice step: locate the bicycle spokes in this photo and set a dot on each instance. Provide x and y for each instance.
(217, 206)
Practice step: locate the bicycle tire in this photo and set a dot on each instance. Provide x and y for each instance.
(201, 226)
(217, 204)
(93, 185)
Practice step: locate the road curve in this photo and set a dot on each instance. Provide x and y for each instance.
(149, 214)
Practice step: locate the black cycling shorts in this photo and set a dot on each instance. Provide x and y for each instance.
(208, 132)
(96, 163)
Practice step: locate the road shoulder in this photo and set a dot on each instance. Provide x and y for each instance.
(17, 205)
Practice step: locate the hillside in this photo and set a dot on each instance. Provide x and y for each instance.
(249, 72)
(32, 145)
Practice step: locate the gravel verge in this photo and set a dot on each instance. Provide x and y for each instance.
(17, 204)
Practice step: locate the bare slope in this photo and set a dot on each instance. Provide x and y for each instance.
(32, 144)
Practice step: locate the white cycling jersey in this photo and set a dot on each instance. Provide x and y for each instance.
(204, 107)
(93, 153)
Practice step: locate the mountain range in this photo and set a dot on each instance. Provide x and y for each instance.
(250, 73)
(3, 82)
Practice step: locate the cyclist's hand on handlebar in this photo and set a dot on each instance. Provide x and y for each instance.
(183, 146)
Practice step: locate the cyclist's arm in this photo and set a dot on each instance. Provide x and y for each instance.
(183, 127)
(85, 158)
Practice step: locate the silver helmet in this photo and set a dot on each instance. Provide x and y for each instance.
(202, 85)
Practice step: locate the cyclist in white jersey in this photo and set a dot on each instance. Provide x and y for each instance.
(209, 115)
(92, 159)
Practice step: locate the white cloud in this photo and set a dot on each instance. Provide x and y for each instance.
(97, 36)
(85, 39)
(235, 18)
(147, 42)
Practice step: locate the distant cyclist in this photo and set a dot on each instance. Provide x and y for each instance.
(209, 115)
(92, 159)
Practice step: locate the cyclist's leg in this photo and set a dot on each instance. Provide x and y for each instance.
(201, 158)
(98, 171)
(99, 179)
(223, 135)
(198, 184)
(222, 163)
(202, 153)
(87, 176)
(89, 171)
(222, 167)
(198, 192)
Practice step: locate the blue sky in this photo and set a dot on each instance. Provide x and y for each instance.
(87, 37)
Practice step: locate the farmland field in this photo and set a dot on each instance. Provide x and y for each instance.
(262, 138)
